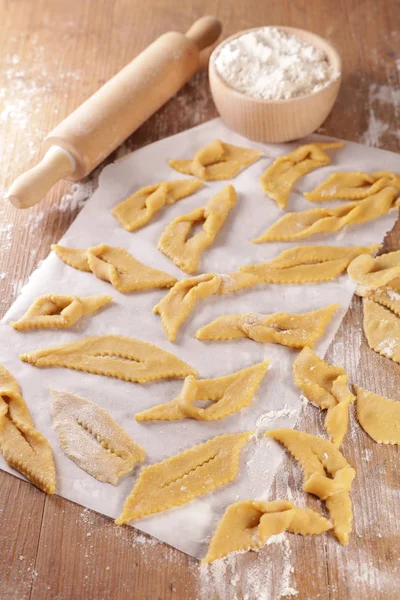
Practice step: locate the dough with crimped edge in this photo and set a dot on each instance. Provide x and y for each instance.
(248, 524)
(116, 266)
(185, 250)
(125, 358)
(227, 395)
(376, 272)
(217, 161)
(378, 416)
(388, 296)
(137, 210)
(327, 474)
(179, 479)
(382, 329)
(287, 329)
(278, 180)
(353, 185)
(22, 446)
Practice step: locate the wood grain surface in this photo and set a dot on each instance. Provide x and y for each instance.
(55, 54)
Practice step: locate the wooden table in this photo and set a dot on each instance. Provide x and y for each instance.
(54, 55)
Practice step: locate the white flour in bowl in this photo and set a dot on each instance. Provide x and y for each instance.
(270, 64)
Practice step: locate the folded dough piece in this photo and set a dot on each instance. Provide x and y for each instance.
(227, 395)
(376, 272)
(287, 329)
(137, 210)
(388, 296)
(247, 525)
(54, 310)
(278, 180)
(180, 301)
(378, 416)
(325, 386)
(92, 439)
(382, 329)
(305, 264)
(327, 474)
(115, 265)
(354, 185)
(125, 358)
(300, 225)
(181, 478)
(217, 161)
(23, 447)
(185, 251)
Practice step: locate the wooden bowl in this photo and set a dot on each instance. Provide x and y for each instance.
(275, 120)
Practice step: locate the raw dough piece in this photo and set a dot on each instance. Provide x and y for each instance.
(278, 180)
(181, 478)
(304, 264)
(248, 524)
(382, 330)
(287, 329)
(54, 310)
(115, 265)
(353, 185)
(378, 416)
(376, 272)
(327, 474)
(185, 251)
(23, 447)
(299, 225)
(125, 358)
(138, 209)
(217, 161)
(227, 395)
(388, 296)
(181, 300)
(325, 386)
(92, 439)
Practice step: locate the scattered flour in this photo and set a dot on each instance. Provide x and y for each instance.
(379, 95)
(269, 417)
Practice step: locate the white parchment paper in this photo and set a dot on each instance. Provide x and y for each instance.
(188, 527)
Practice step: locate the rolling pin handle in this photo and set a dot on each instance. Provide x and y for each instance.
(205, 32)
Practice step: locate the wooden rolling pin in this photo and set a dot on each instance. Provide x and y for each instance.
(85, 138)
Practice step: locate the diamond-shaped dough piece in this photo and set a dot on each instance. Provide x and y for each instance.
(382, 330)
(378, 416)
(353, 185)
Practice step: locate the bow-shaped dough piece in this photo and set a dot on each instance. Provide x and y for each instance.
(354, 185)
(217, 161)
(181, 478)
(137, 210)
(278, 180)
(287, 329)
(115, 265)
(247, 525)
(53, 310)
(227, 395)
(306, 264)
(300, 225)
(185, 251)
(376, 272)
(382, 330)
(378, 416)
(125, 358)
(23, 447)
(325, 386)
(180, 301)
(92, 439)
(327, 474)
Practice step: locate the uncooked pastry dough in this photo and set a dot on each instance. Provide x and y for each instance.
(327, 474)
(226, 395)
(278, 180)
(125, 358)
(137, 210)
(23, 447)
(293, 330)
(248, 524)
(185, 251)
(53, 310)
(92, 439)
(378, 416)
(181, 300)
(115, 265)
(300, 225)
(388, 296)
(325, 386)
(376, 272)
(181, 478)
(353, 185)
(382, 330)
(305, 264)
(217, 161)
